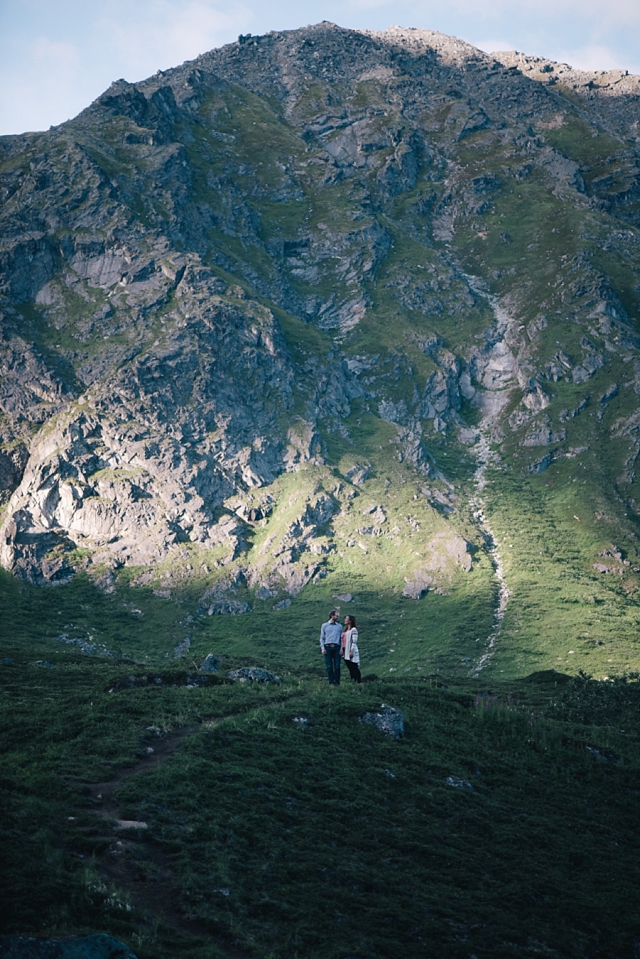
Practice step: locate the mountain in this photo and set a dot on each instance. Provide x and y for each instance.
(333, 312)
(326, 318)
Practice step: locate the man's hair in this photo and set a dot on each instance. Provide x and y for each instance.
(334, 612)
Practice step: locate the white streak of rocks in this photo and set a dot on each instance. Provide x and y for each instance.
(487, 457)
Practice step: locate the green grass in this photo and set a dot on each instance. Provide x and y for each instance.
(325, 838)
(581, 141)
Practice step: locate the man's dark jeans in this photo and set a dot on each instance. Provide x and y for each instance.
(332, 661)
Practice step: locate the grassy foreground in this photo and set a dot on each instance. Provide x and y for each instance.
(503, 824)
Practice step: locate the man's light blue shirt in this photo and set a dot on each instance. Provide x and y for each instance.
(330, 633)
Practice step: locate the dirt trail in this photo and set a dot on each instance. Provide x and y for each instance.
(128, 857)
(136, 863)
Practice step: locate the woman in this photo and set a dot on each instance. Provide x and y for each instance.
(350, 648)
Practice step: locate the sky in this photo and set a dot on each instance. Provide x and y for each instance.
(56, 56)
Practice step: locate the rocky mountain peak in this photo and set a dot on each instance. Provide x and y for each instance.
(306, 265)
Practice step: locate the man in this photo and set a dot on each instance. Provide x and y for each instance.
(330, 641)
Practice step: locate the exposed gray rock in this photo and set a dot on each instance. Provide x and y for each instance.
(82, 947)
(253, 674)
(283, 561)
(542, 435)
(421, 583)
(387, 720)
(590, 365)
(458, 783)
(263, 592)
(495, 366)
(228, 608)
(173, 678)
(12, 465)
(357, 474)
(294, 576)
(89, 648)
(375, 513)
(182, 647)
(540, 465)
(210, 664)
(535, 398)
(283, 603)
(446, 550)
(609, 394)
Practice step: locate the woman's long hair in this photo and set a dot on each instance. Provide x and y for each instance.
(352, 621)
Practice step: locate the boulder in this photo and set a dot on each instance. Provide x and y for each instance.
(210, 664)
(387, 720)
(458, 783)
(253, 674)
(421, 583)
(80, 947)
(376, 513)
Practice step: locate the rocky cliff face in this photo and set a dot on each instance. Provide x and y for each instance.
(332, 252)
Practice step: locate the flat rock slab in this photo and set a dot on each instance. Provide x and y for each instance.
(253, 674)
(83, 947)
(387, 720)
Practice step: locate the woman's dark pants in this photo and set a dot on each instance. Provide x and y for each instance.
(354, 671)
(332, 662)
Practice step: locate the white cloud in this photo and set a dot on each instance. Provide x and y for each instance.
(610, 15)
(48, 81)
(598, 57)
(166, 33)
(369, 4)
(493, 46)
(55, 54)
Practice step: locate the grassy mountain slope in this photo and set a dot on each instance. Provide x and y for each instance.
(278, 825)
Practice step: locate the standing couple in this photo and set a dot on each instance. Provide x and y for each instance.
(336, 644)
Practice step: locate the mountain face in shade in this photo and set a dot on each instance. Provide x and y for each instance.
(332, 309)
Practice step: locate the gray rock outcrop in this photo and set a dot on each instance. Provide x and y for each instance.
(387, 720)
(253, 674)
(210, 664)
